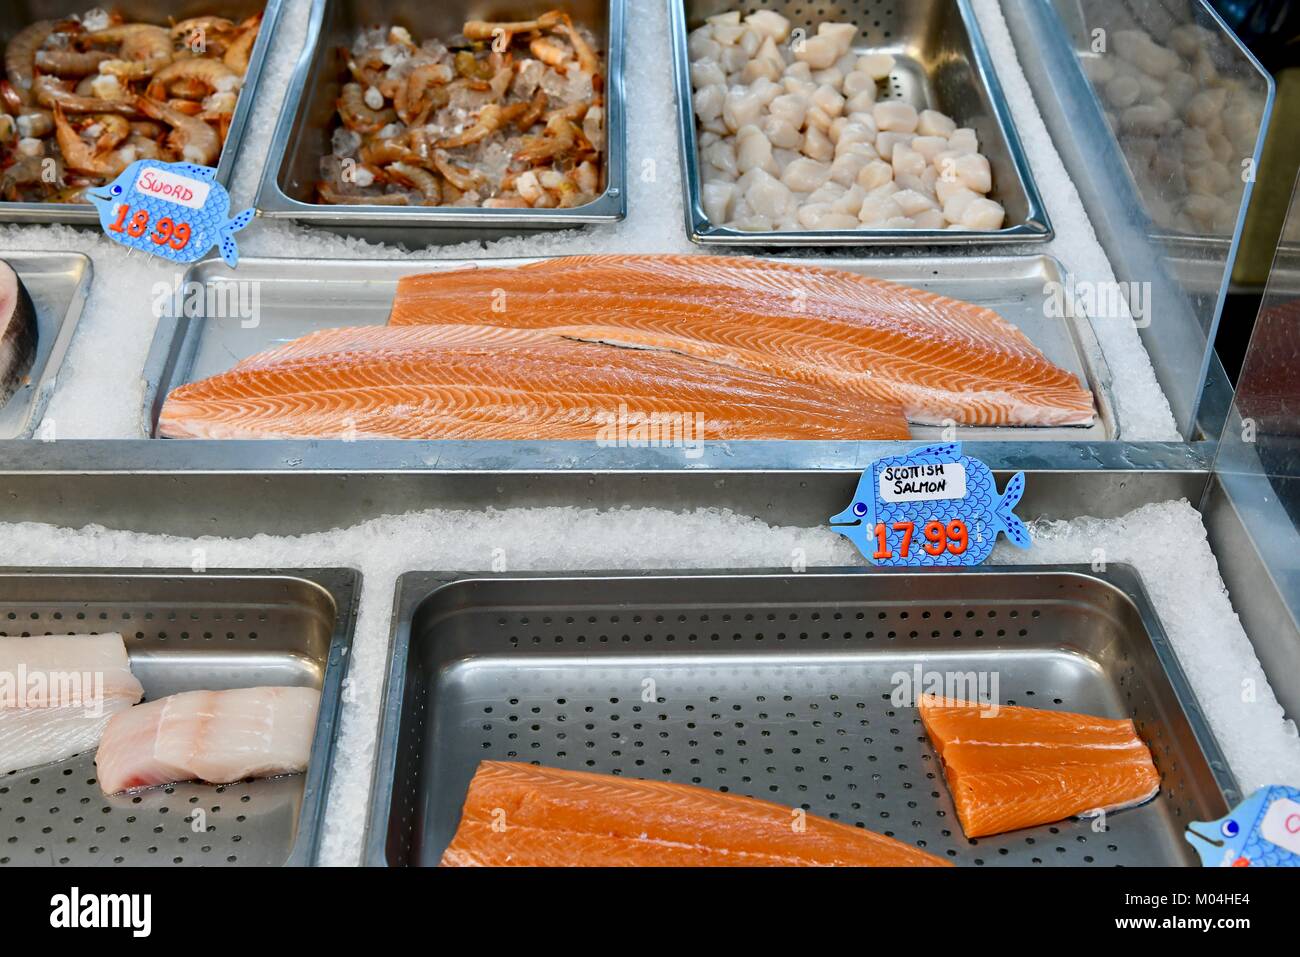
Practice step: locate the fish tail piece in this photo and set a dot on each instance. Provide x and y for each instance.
(1011, 524)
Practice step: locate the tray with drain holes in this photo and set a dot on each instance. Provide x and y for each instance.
(779, 686)
(183, 632)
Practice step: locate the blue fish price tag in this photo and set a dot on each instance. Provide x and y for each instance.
(932, 506)
(175, 210)
(1261, 831)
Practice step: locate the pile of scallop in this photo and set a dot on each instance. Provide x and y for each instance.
(796, 132)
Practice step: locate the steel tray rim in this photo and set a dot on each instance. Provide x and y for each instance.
(1037, 226)
(342, 586)
(609, 207)
(413, 588)
(83, 214)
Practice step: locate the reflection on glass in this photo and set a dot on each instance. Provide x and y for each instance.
(1185, 106)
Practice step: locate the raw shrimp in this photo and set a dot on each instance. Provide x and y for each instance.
(20, 55)
(463, 179)
(487, 30)
(588, 62)
(490, 119)
(203, 33)
(357, 116)
(411, 98)
(382, 152)
(421, 179)
(27, 171)
(192, 138)
(558, 137)
(551, 52)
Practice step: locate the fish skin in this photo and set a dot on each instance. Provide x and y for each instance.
(938, 358)
(1022, 767)
(18, 332)
(57, 724)
(490, 382)
(214, 736)
(554, 817)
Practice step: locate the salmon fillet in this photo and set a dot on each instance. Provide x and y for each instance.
(486, 382)
(526, 816)
(937, 358)
(1021, 767)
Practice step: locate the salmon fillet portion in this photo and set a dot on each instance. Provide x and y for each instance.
(937, 358)
(1021, 767)
(487, 382)
(527, 816)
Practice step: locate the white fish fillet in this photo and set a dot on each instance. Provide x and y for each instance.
(57, 693)
(213, 736)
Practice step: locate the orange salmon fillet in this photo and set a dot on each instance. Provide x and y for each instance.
(487, 382)
(1021, 767)
(526, 816)
(937, 358)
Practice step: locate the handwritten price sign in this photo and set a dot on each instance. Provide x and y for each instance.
(933, 506)
(175, 210)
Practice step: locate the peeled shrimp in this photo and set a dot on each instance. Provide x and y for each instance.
(424, 181)
(487, 30)
(357, 116)
(195, 140)
(490, 119)
(411, 99)
(588, 62)
(463, 179)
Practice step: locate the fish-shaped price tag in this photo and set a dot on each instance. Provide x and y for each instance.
(1261, 831)
(175, 210)
(932, 506)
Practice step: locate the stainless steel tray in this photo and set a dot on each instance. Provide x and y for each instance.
(302, 133)
(297, 296)
(59, 284)
(777, 686)
(14, 16)
(942, 64)
(184, 631)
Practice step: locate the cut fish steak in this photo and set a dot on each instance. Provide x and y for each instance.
(489, 382)
(527, 816)
(57, 693)
(1014, 767)
(937, 358)
(213, 736)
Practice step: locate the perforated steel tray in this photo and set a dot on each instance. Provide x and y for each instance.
(777, 685)
(941, 63)
(183, 632)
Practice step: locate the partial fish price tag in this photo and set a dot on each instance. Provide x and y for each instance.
(1261, 831)
(175, 210)
(933, 506)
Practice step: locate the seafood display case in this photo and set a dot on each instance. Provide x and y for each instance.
(22, 13)
(1069, 97)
